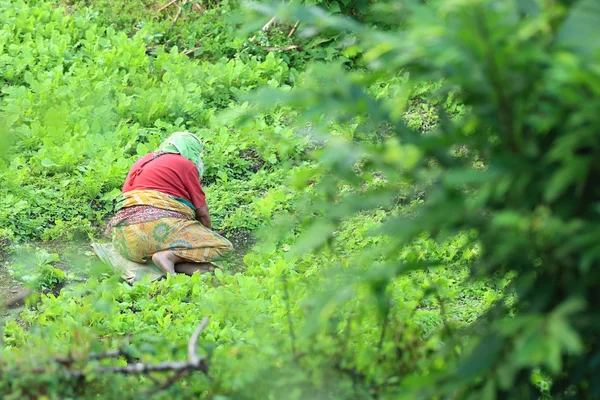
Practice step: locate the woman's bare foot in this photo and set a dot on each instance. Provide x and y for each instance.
(165, 260)
(190, 268)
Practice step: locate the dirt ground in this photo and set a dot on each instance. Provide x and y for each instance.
(11, 292)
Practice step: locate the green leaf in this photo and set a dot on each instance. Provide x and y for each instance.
(482, 358)
(581, 26)
(570, 173)
(219, 274)
(46, 162)
(334, 7)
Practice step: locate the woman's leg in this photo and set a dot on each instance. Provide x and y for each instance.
(189, 242)
(166, 261)
(171, 263)
(190, 268)
(197, 244)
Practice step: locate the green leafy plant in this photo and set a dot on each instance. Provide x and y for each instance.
(518, 168)
(417, 232)
(35, 270)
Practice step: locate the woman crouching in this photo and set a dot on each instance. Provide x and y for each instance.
(162, 213)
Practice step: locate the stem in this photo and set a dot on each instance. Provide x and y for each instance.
(286, 298)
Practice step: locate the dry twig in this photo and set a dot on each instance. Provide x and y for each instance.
(192, 356)
(285, 48)
(264, 28)
(174, 378)
(199, 8)
(268, 24)
(180, 368)
(190, 51)
(293, 29)
(167, 5)
(193, 363)
(175, 20)
(96, 356)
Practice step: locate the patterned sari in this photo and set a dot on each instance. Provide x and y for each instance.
(149, 221)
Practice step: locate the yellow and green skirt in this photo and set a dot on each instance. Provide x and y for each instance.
(141, 229)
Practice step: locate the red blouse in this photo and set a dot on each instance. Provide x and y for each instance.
(172, 174)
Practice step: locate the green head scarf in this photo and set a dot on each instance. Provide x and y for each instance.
(186, 144)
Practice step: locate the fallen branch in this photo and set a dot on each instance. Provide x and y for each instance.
(192, 356)
(139, 368)
(193, 363)
(285, 48)
(174, 378)
(268, 24)
(167, 5)
(97, 356)
(180, 368)
(198, 8)
(264, 28)
(188, 52)
(293, 29)
(175, 20)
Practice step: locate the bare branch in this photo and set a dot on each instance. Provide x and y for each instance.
(180, 369)
(264, 28)
(293, 29)
(139, 368)
(153, 379)
(96, 356)
(167, 5)
(191, 51)
(193, 363)
(268, 24)
(285, 48)
(174, 378)
(199, 8)
(175, 19)
(192, 356)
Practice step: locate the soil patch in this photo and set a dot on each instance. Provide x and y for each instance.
(12, 292)
(242, 241)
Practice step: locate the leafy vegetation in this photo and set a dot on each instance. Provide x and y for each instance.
(38, 271)
(94, 89)
(420, 178)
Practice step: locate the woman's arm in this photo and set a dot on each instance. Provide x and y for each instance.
(191, 182)
(203, 216)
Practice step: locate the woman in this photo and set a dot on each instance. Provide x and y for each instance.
(162, 213)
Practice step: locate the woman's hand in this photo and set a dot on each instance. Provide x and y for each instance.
(203, 216)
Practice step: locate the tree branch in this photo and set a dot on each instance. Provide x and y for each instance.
(167, 5)
(175, 20)
(180, 368)
(268, 24)
(293, 29)
(192, 356)
(285, 48)
(174, 378)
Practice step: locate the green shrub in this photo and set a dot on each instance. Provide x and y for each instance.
(93, 102)
(518, 167)
(415, 244)
(33, 267)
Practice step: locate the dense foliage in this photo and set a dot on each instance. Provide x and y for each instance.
(518, 170)
(73, 90)
(425, 193)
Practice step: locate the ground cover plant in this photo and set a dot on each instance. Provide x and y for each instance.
(422, 191)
